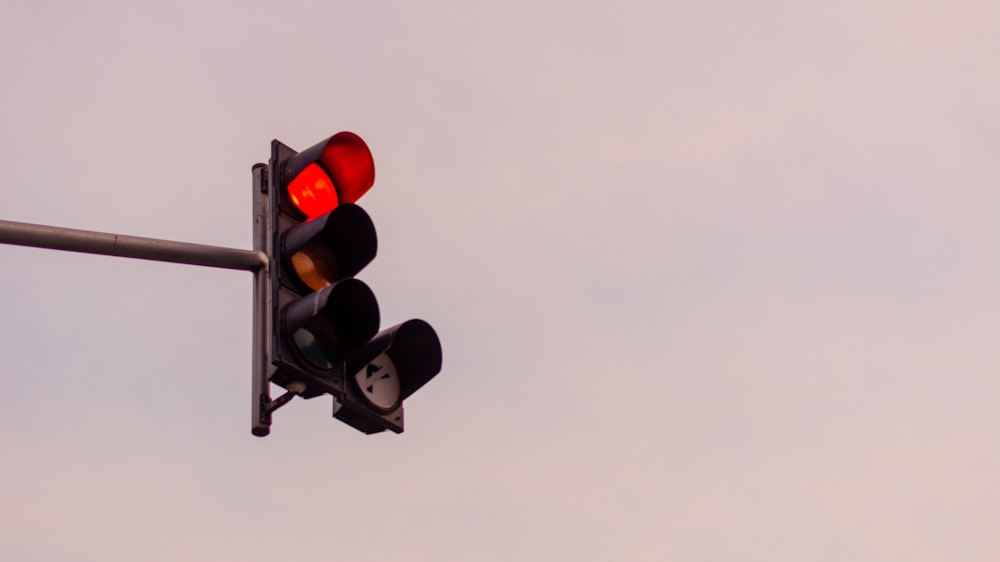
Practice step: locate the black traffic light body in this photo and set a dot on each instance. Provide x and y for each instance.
(385, 371)
(323, 323)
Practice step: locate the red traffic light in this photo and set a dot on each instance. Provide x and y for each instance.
(312, 192)
(337, 170)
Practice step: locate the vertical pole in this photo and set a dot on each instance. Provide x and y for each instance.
(261, 385)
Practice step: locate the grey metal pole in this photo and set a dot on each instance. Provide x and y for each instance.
(260, 421)
(103, 243)
(120, 245)
(256, 261)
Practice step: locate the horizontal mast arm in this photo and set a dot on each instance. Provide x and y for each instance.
(120, 245)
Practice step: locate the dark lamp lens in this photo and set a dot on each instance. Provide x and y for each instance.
(316, 346)
(315, 265)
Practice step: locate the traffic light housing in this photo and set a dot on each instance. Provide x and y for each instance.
(323, 324)
(385, 371)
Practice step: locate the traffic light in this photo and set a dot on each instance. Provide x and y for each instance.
(383, 372)
(324, 323)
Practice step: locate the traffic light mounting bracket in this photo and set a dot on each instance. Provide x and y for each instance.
(262, 349)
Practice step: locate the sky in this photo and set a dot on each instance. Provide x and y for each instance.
(714, 281)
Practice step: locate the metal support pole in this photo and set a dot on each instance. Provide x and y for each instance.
(260, 422)
(256, 261)
(120, 245)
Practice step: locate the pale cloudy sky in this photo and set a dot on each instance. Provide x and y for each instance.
(715, 281)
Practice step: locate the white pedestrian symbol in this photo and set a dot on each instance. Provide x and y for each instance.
(379, 382)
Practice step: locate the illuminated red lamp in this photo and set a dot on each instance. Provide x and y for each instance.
(312, 192)
(337, 170)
